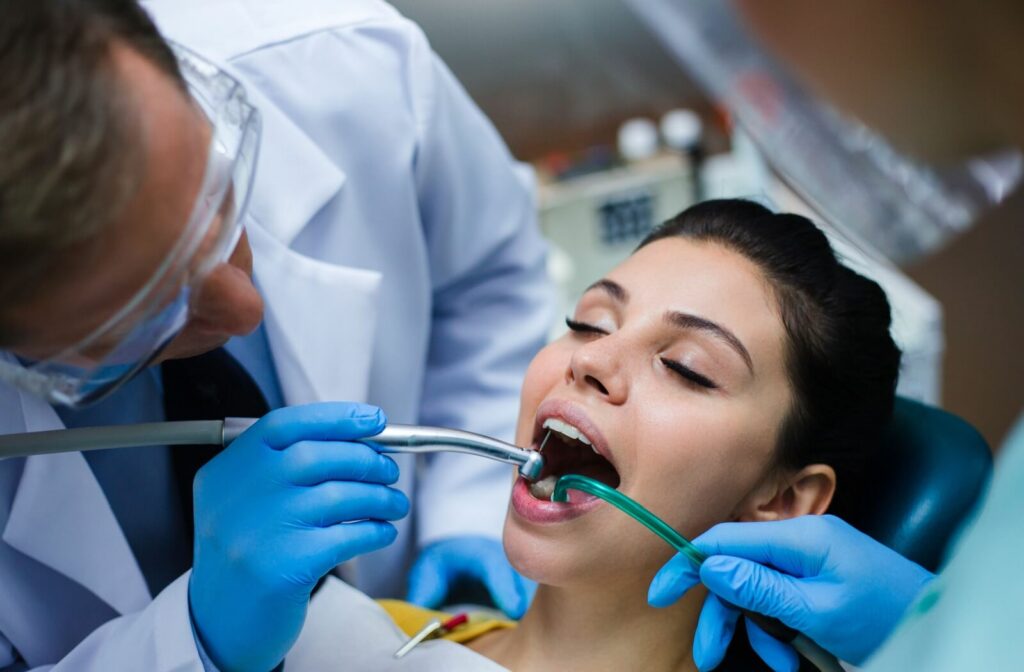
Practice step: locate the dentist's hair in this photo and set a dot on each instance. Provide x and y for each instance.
(69, 136)
(840, 356)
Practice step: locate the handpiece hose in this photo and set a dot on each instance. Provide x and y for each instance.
(394, 439)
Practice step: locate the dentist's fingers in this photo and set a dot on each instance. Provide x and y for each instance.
(786, 544)
(757, 588)
(507, 588)
(314, 462)
(428, 581)
(715, 629)
(331, 546)
(778, 656)
(327, 421)
(337, 502)
(672, 581)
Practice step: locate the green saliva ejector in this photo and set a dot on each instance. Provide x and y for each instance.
(821, 658)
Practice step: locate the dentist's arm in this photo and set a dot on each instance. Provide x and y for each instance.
(816, 574)
(280, 507)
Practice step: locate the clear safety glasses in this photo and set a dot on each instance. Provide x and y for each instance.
(846, 172)
(136, 335)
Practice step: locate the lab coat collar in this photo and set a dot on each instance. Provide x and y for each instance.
(61, 518)
(227, 29)
(294, 178)
(321, 321)
(320, 317)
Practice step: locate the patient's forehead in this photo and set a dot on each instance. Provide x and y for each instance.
(706, 279)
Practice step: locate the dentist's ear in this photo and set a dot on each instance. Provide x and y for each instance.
(806, 492)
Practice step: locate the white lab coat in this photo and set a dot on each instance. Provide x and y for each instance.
(396, 247)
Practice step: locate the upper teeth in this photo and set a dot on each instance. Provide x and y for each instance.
(565, 429)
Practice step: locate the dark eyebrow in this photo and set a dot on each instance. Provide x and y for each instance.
(612, 288)
(681, 320)
(687, 321)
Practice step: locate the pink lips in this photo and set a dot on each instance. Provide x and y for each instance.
(540, 511)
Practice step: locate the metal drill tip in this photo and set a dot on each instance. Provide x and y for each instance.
(530, 470)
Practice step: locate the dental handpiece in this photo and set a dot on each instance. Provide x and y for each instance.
(394, 439)
(422, 439)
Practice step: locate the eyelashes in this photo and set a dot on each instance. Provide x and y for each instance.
(583, 327)
(689, 374)
(686, 373)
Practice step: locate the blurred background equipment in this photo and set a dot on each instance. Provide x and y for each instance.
(566, 82)
(852, 177)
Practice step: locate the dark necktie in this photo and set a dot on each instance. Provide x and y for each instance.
(211, 386)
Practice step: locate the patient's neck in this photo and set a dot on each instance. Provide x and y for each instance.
(598, 628)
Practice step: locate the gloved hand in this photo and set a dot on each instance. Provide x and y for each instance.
(836, 585)
(444, 562)
(275, 511)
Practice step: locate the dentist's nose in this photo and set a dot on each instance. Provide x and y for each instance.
(595, 367)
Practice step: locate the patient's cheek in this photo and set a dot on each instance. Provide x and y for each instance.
(704, 484)
(542, 376)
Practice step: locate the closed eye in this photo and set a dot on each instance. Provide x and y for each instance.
(689, 374)
(583, 327)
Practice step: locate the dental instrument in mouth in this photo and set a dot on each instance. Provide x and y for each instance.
(394, 439)
(422, 439)
(571, 450)
(821, 658)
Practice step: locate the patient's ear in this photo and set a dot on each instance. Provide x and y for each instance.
(807, 492)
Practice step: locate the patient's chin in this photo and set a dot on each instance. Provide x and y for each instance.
(546, 561)
(528, 559)
(563, 561)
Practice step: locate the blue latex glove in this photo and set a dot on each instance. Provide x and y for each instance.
(836, 585)
(444, 562)
(275, 511)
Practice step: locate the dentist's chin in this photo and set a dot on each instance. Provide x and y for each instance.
(226, 305)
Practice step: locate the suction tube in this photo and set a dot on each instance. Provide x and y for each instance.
(809, 649)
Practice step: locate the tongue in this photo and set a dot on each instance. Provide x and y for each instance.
(575, 458)
(598, 469)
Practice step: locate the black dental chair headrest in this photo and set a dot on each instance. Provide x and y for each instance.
(924, 482)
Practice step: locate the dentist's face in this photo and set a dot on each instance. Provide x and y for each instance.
(106, 272)
(674, 370)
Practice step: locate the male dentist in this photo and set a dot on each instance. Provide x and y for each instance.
(290, 204)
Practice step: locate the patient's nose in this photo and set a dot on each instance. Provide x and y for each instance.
(595, 368)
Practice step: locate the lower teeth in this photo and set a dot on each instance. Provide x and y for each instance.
(544, 488)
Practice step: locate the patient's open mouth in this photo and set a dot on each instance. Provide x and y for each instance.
(568, 450)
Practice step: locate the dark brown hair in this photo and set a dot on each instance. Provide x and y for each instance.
(69, 144)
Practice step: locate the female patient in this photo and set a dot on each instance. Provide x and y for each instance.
(730, 369)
